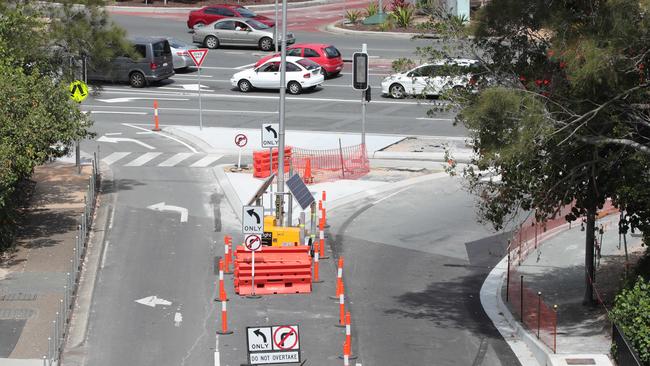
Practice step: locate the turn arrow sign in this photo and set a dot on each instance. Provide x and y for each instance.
(271, 129)
(252, 213)
(161, 206)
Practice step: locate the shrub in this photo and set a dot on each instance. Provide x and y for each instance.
(403, 16)
(372, 9)
(632, 313)
(353, 16)
(386, 25)
(402, 64)
(396, 4)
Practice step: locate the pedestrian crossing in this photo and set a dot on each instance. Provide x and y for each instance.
(159, 159)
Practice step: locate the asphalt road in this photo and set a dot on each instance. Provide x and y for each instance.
(415, 260)
(333, 107)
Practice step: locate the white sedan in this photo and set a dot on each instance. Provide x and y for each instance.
(302, 74)
(428, 79)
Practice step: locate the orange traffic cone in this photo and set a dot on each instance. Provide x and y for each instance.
(308, 177)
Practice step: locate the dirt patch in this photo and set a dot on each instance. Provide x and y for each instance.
(188, 3)
(420, 144)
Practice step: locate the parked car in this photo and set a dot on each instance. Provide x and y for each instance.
(153, 63)
(301, 74)
(429, 79)
(326, 55)
(210, 14)
(181, 58)
(238, 32)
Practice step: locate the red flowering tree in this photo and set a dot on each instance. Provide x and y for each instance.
(566, 118)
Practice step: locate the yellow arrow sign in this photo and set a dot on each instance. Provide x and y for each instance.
(78, 91)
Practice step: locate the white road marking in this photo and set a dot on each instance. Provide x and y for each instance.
(122, 100)
(236, 111)
(175, 159)
(113, 133)
(145, 133)
(209, 159)
(152, 301)
(116, 112)
(191, 87)
(217, 360)
(110, 220)
(191, 75)
(235, 52)
(163, 135)
(143, 159)
(114, 140)
(112, 158)
(244, 66)
(104, 254)
(435, 119)
(390, 195)
(178, 318)
(161, 206)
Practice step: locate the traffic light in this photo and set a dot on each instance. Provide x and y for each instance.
(360, 71)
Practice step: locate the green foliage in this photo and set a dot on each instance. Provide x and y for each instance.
(403, 16)
(373, 8)
(386, 25)
(353, 16)
(632, 313)
(402, 64)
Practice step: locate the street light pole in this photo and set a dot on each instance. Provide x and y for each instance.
(283, 94)
(275, 29)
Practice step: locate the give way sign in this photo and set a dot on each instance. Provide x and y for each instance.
(198, 55)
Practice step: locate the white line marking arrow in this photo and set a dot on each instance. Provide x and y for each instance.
(152, 301)
(129, 99)
(114, 140)
(160, 206)
(178, 318)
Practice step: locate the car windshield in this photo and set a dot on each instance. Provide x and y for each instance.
(175, 43)
(161, 49)
(332, 52)
(257, 25)
(246, 13)
(308, 64)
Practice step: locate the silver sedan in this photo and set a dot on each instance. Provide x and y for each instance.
(237, 32)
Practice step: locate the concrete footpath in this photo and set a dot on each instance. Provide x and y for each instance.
(556, 269)
(33, 276)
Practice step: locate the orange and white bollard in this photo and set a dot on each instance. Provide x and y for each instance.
(321, 238)
(339, 280)
(316, 265)
(224, 320)
(222, 287)
(347, 346)
(227, 249)
(155, 116)
(324, 208)
(341, 323)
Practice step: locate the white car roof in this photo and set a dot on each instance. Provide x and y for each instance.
(289, 58)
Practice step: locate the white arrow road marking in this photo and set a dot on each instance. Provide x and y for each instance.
(194, 87)
(113, 134)
(129, 99)
(143, 159)
(163, 135)
(161, 206)
(118, 112)
(114, 140)
(112, 158)
(178, 318)
(175, 159)
(152, 301)
(206, 161)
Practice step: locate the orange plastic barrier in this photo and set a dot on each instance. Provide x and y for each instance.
(262, 162)
(278, 270)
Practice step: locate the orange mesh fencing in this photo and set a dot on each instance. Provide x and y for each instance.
(316, 166)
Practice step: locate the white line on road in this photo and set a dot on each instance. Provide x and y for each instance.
(145, 133)
(143, 159)
(435, 119)
(122, 100)
(114, 157)
(104, 254)
(110, 220)
(113, 134)
(175, 159)
(207, 160)
(217, 361)
(390, 195)
(236, 111)
(192, 75)
(163, 135)
(116, 112)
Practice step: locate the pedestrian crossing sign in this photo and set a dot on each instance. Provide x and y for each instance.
(78, 91)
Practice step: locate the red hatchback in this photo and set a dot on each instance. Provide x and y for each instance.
(212, 13)
(326, 55)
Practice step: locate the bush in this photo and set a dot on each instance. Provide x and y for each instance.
(373, 8)
(403, 16)
(396, 4)
(402, 64)
(386, 25)
(353, 16)
(632, 313)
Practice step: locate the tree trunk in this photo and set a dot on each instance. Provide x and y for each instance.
(589, 256)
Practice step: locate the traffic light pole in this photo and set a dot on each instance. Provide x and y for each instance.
(283, 93)
(364, 49)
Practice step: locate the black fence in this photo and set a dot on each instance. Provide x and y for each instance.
(624, 354)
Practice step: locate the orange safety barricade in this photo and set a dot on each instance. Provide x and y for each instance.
(278, 270)
(262, 162)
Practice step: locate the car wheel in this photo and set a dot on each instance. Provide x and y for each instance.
(244, 86)
(294, 87)
(211, 42)
(324, 73)
(266, 44)
(137, 80)
(396, 91)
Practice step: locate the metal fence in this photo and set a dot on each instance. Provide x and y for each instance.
(61, 323)
(623, 352)
(316, 166)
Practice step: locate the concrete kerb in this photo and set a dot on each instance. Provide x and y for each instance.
(90, 270)
(159, 10)
(335, 28)
(198, 142)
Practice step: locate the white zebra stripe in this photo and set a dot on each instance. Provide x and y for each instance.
(175, 159)
(143, 159)
(112, 158)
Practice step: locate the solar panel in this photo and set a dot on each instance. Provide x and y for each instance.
(300, 191)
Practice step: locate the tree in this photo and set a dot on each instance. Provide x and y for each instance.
(563, 118)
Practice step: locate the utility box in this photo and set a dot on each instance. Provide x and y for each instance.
(279, 236)
(459, 8)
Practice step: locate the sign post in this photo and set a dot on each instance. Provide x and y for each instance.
(253, 223)
(273, 344)
(198, 55)
(360, 82)
(270, 140)
(240, 140)
(253, 243)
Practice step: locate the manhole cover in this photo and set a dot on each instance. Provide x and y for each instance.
(18, 296)
(580, 361)
(16, 313)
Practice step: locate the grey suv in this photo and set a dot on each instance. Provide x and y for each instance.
(154, 63)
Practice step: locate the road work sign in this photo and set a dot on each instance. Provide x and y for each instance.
(273, 344)
(253, 220)
(270, 135)
(78, 91)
